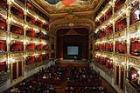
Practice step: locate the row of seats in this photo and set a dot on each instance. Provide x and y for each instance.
(72, 89)
(77, 79)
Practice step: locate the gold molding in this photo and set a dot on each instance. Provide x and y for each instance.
(78, 23)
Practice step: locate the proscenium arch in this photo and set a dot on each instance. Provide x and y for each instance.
(78, 23)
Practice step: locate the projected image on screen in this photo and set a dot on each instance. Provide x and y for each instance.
(72, 50)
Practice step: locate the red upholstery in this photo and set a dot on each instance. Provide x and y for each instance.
(38, 23)
(109, 30)
(101, 34)
(135, 47)
(17, 30)
(3, 46)
(17, 12)
(39, 47)
(39, 35)
(29, 5)
(108, 14)
(30, 33)
(118, 4)
(45, 47)
(16, 46)
(121, 47)
(109, 47)
(104, 61)
(46, 26)
(30, 47)
(39, 58)
(3, 24)
(120, 24)
(30, 60)
(30, 19)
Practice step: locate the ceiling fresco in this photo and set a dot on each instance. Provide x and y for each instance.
(59, 6)
(66, 3)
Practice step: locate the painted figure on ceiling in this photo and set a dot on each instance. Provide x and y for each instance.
(66, 3)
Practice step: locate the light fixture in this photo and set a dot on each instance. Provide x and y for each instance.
(139, 72)
(137, 12)
(44, 77)
(71, 24)
(134, 75)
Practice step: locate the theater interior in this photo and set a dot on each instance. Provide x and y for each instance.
(69, 46)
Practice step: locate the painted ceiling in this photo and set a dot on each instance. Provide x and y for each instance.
(66, 3)
(59, 6)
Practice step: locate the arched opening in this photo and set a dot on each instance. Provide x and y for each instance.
(72, 43)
